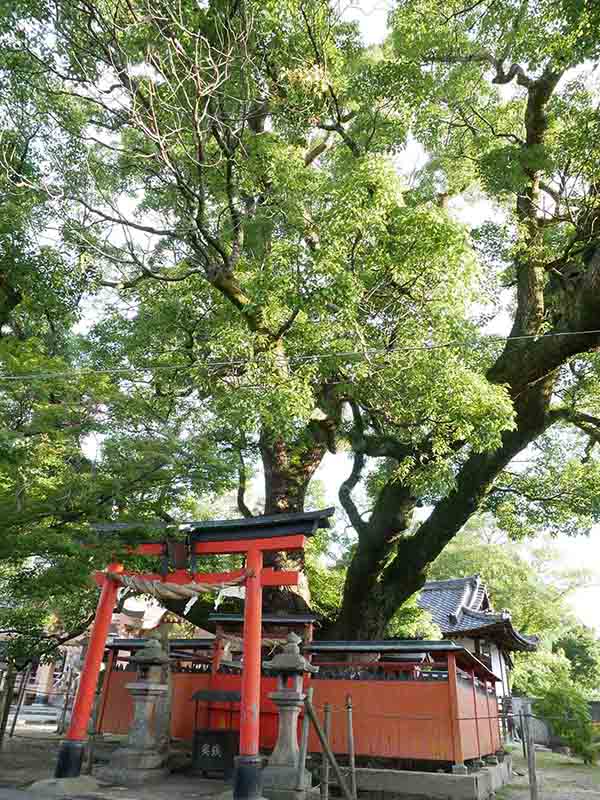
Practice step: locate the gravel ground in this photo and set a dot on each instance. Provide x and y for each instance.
(31, 756)
(559, 778)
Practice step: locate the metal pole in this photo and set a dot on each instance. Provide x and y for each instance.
(351, 759)
(20, 698)
(327, 749)
(523, 735)
(533, 788)
(303, 744)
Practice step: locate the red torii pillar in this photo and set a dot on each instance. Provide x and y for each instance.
(248, 772)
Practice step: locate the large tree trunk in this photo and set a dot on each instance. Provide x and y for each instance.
(288, 471)
(389, 567)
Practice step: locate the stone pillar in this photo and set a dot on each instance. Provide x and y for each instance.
(163, 708)
(44, 684)
(142, 759)
(283, 777)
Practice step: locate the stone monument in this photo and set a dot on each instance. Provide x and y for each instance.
(284, 778)
(142, 759)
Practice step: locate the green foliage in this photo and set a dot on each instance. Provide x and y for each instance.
(558, 493)
(411, 622)
(567, 711)
(558, 699)
(536, 674)
(528, 582)
(220, 184)
(582, 648)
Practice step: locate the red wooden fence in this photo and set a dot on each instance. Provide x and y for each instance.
(392, 719)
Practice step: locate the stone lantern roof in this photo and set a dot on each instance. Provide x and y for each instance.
(290, 661)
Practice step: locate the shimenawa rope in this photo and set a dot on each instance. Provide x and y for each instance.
(171, 591)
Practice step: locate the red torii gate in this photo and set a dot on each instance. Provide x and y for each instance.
(252, 537)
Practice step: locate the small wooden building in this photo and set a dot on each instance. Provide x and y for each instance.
(462, 609)
(430, 704)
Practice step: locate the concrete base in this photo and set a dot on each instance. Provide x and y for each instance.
(126, 758)
(131, 767)
(113, 776)
(281, 783)
(404, 784)
(65, 787)
(500, 775)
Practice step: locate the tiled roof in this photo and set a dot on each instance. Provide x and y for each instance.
(462, 606)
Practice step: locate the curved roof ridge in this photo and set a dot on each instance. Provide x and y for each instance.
(487, 614)
(449, 583)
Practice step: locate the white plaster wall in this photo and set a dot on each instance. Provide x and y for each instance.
(499, 666)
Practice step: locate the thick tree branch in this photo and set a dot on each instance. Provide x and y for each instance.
(348, 485)
(242, 485)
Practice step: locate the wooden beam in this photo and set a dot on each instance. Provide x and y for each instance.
(275, 543)
(454, 708)
(270, 577)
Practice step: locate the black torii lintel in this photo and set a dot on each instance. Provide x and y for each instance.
(266, 526)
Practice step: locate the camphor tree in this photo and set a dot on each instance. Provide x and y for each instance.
(224, 170)
(227, 171)
(534, 153)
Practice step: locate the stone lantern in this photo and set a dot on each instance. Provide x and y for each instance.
(141, 760)
(282, 777)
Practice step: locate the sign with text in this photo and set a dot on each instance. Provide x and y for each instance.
(215, 750)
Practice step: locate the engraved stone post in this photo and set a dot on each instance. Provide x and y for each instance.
(141, 760)
(282, 778)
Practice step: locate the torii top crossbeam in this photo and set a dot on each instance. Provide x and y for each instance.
(252, 537)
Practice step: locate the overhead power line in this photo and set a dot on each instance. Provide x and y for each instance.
(364, 354)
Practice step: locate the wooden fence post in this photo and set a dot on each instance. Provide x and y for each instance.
(351, 759)
(533, 788)
(6, 696)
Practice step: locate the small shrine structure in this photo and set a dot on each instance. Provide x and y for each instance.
(180, 578)
(462, 609)
(424, 705)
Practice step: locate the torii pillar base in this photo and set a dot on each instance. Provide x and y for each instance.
(247, 778)
(70, 759)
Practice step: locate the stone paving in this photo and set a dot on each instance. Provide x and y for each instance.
(31, 756)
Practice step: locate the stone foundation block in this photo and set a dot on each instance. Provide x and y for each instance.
(400, 784)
